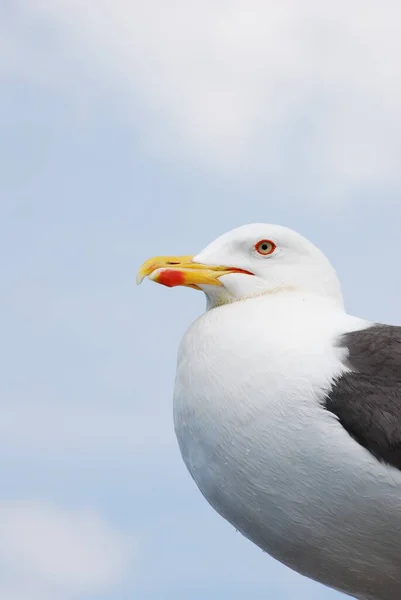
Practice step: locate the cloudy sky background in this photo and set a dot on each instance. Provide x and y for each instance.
(130, 129)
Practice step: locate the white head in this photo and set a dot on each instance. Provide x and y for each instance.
(248, 261)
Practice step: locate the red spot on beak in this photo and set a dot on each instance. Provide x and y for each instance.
(171, 277)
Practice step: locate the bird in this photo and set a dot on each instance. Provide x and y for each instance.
(287, 409)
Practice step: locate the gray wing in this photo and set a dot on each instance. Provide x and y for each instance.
(367, 401)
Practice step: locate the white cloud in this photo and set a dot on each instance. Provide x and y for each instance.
(306, 87)
(49, 552)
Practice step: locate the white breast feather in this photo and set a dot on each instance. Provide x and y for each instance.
(266, 454)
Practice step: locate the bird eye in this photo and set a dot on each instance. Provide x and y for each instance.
(265, 247)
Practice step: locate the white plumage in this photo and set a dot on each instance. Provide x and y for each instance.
(253, 428)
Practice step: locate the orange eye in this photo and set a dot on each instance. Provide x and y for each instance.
(265, 247)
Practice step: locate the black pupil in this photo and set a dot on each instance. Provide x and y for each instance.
(265, 246)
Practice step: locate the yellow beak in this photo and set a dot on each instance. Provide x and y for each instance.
(180, 270)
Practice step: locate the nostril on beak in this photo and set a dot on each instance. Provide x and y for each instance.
(170, 262)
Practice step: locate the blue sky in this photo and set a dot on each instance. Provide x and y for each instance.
(130, 129)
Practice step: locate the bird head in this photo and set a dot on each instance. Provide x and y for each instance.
(248, 261)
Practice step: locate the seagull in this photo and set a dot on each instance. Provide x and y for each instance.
(287, 410)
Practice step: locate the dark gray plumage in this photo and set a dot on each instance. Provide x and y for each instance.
(367, 401)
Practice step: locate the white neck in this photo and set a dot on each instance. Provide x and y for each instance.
(238, 287)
